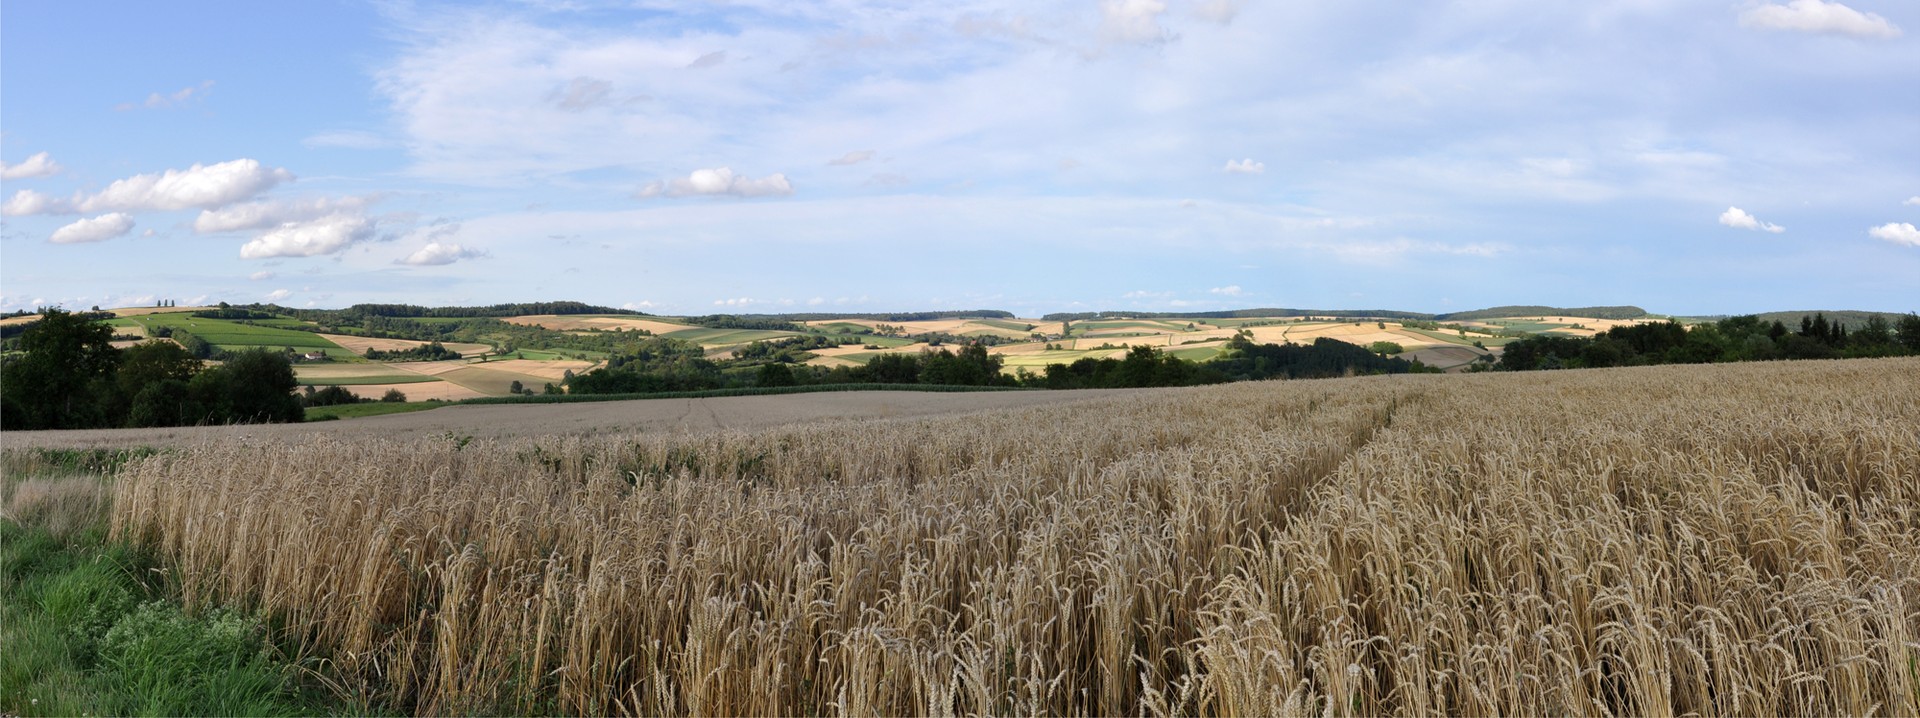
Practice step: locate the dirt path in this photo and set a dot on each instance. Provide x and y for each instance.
(638, 416)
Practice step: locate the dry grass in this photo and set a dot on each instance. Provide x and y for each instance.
(1736, 539)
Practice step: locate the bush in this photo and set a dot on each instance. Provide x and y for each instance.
(393, 396)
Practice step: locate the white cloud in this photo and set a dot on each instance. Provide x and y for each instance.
(1244, 167)
(1912, 201)
(639, 305)
(261, 275)
(717, 182)
(325, 235)
(710, 59)
(273, 213)
(278, 294)
(157, 101)
(1220, 11)
(740, 302)
(1231, 290)
(1897, 233)
(1819, 16)
(438, 253)
(853, 158)
(1132, 21)
(39, 165)
(1738, 218)
(27, 202)
(1144, 294)
(98, 229)
(199, 186)
(816, 301)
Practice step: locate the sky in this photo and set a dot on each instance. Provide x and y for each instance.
(765, 156)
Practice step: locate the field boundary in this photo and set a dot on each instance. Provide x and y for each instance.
(740, 391)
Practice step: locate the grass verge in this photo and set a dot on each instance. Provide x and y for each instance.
(368, 408)
(88, 627)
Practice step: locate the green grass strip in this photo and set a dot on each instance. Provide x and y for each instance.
(368, 408)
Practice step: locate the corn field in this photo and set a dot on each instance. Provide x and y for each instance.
(1720, 540)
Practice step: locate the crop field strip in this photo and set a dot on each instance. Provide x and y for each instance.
(1726, 539)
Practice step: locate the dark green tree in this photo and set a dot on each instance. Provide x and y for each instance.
(64, 381)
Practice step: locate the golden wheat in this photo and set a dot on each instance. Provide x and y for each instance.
(1723, 540)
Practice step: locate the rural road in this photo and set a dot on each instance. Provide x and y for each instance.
(636, 416)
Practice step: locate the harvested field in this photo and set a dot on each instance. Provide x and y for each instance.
(1725, 540)
(566, 323)
(360, 345)
(554, 370)
(422, 391)
(487, 380)
(329, 374)
(430, 368)
(1444, 357)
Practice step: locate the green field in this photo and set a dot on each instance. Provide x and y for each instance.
(228, 334)
(368, 408)
(1521, 326)
(724, 337)
(842, 328)
(1197, 353)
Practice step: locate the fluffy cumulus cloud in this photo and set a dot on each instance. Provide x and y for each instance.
(1913, 201)
(197, 187)
(261, 275)
(278, 294)
(325, 235)
(273, 213)
(1244, 167)
(39, 165)
(97, 229)
(1819, 16)
(720, 181)
(1897, 233)
(1738, 218)
(26, 202)
(1231, 290)
(438, 253)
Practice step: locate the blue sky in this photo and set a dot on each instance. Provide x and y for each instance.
(1692, 157)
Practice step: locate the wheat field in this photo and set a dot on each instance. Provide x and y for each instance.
(1716, 540)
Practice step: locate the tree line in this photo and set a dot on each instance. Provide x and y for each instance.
(670, 365)
(1743, 338)
(69, 376)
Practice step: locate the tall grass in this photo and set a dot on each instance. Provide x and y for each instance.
(1734, 539)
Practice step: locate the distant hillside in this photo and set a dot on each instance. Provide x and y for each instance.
(878, 316)
(1624, 312)
(1490, 313)
(1240, 314)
